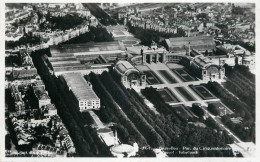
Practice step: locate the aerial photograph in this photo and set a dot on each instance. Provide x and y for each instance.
(129, 80)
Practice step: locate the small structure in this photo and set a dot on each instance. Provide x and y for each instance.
(123, 150)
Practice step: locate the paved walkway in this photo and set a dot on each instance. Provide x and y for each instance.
(96, 120)
(182, 84)
(177, 94)
(189, 103)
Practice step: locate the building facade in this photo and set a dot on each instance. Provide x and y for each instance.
(207, 70)
(129, 75)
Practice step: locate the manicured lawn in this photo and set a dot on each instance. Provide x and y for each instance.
(222, 108)
(182, 111)
(185, 93)
(167, 76)
(184, 75)
(203, 92)
(152, 78)
(167, 95)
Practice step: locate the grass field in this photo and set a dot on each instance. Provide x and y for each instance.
(184, 75)
(222, 108)
(152, 78)
(167, 95)
(183, 111)
(203, 92)
(185, 93)
(167, 76)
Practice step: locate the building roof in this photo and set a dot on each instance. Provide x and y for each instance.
(65, 62)
(38, 82)
(80, 87)
(201, 61)
(69, 68)
(24, 73)
(135, 50)
(199, 43)
(40, 92)
(69, 58)
(51, 107)
(122, 67)
(89, 47)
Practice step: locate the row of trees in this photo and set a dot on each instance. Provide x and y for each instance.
(84, 137)
(241, 82)
(245, 130)
(66, 22)
(96, 34)
(190, 135)
(100, 14)
(167, 125)
(11, 61)
(163, 108)
(130, 107)
(148, 35)
(24, 40)
(111, 112)
(243, 70)
(237, 106)
(237, 10)
(240, 109)
(8, 144)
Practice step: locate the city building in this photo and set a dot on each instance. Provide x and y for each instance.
(41, 95)
(22, 73)
(91, 50)
(206, 69)
(82, 91)
(153, 54)
(86, 57)
(18, 101)
(130, 76)
(49, 110)
(204, 44)
(249, 61)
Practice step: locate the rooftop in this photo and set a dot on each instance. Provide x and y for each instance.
(201, 60)
(40, 92)
(70, 68)
(123, 66)
(79, 86)
(23, 73)
(86, 47)
(205, 42)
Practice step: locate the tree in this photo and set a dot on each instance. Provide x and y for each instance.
(196, 108)
(7, 142)
(213, 109)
